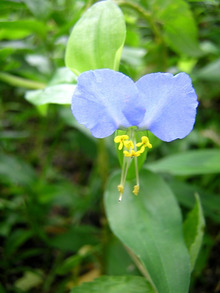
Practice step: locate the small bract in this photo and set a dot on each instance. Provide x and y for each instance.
(105, 100)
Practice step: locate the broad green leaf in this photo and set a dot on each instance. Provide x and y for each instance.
(56, 94)
(180, 29)
(185, 195)
(193, 230)
(128, 284)
(150, 225)
(97, 39)
(189, 163)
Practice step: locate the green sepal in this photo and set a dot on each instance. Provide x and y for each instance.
(141, 159)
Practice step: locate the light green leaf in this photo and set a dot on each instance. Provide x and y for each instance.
(193, 230)
(128, 284)
(56, 94)
(97, 39)
(150, 225)
(189, 163)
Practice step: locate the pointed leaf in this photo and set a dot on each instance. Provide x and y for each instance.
(150, 225)
(193, 229)
(194, 162)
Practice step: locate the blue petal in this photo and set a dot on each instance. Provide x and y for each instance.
(170, 103)
(105, 100)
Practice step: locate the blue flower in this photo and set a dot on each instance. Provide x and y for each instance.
(105, 100)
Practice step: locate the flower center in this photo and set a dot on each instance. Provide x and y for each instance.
(131, 150)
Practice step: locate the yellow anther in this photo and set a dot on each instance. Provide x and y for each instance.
(132, 153)
(145, 143)
(120, 139)
(136, 189)
(120, 188)
(129, 144)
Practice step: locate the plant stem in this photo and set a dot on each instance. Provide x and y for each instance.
(146, 14)
(21, 82)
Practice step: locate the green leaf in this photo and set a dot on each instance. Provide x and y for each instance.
(75, 238)
(193, 230)
(16, 171)
(29, 280)
(210, 72)
(117, 260)
(21, 28)
(150, 225)
(56, 94)
(180, 29)
(39, 8)
(97, 39)
(16, 239)
(185, 195)
(189, 163)
(128, 284)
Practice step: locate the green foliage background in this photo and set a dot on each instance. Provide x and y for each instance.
(53, 230)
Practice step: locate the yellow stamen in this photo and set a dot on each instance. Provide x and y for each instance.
(145, 143)
(136, 189)
(132, 153)
(120, 139)
(129, 144)
(120, 188)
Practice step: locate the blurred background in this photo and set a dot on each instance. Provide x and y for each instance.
(53, 231)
